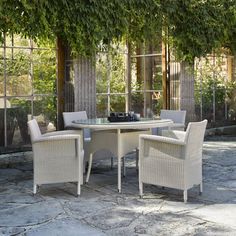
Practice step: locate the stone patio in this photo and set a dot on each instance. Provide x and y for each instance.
(101, 210)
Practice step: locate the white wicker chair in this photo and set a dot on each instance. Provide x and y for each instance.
(177, 116)
(57, 156)
(88, 143)
(174, 161)
(68, 117)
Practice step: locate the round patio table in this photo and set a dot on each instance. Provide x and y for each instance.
(118, 137)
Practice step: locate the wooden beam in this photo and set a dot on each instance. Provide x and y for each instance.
(128, 79)
(164, 76)
(230, 68)
(60, 82)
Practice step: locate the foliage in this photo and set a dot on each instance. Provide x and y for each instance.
(83, 24)
(31, 73)
(212, 87)
(193, 27)
(197, 27)
(110, 80)
(17, 70)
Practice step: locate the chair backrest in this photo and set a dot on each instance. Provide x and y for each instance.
(34, 130)
(194, 139)
(177, 116)
(68, 117)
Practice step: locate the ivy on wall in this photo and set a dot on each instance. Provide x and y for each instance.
(195, 27)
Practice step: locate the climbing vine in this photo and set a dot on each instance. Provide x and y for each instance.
(195, 27)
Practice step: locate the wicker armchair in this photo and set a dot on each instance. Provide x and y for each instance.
(177, 116)
(57, 156)
(68, 117)
(174, 161)
(93, 140)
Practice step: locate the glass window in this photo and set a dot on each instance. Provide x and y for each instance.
(27, 88)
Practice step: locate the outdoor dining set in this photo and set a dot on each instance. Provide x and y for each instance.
(166, 155)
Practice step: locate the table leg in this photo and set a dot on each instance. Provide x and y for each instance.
(119, 174)
(119, 159)
(123, 167)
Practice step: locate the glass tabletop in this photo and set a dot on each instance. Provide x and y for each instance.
(104, 121)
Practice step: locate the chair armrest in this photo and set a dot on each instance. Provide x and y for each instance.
(57, 137)
(177, 125)
(175, 134)
(63, 132)
(72, 126)
(162, 139)
(159, 147)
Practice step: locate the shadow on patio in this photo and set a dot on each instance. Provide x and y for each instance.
(101, 210)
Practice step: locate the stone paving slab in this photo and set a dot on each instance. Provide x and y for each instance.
(218, 213)
(67, 226)
(101, 210)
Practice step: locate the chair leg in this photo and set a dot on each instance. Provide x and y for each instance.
(200, 188)
(81, 174)
(112, 163)
(85, 166)
(78, 188)
(141, 189)
(185, 196)
(137, 155)
(89, 167)
(124, 169)
(35, 189)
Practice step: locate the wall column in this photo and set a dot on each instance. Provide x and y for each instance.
(60, 81)
(164, 76)
(85, 85)
(187, 101)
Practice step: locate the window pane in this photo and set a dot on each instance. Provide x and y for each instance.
(22, 111)
(23, 67)
(137, 102)
(220, 105)
(44, 78)
(118, 73)
(117, 83)
(157, 103)
(45, 111)
(1, 77)
(207, 105)
(102, 103)
(18, 81)
(19, 41)
(117, 103)
(17, 117)
(102, 74)
(231, 105)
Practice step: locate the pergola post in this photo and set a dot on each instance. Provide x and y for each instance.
(164, 76)
(60, 81)
(187, 100)
(128, 78)
(85, 85)
(230, 68)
